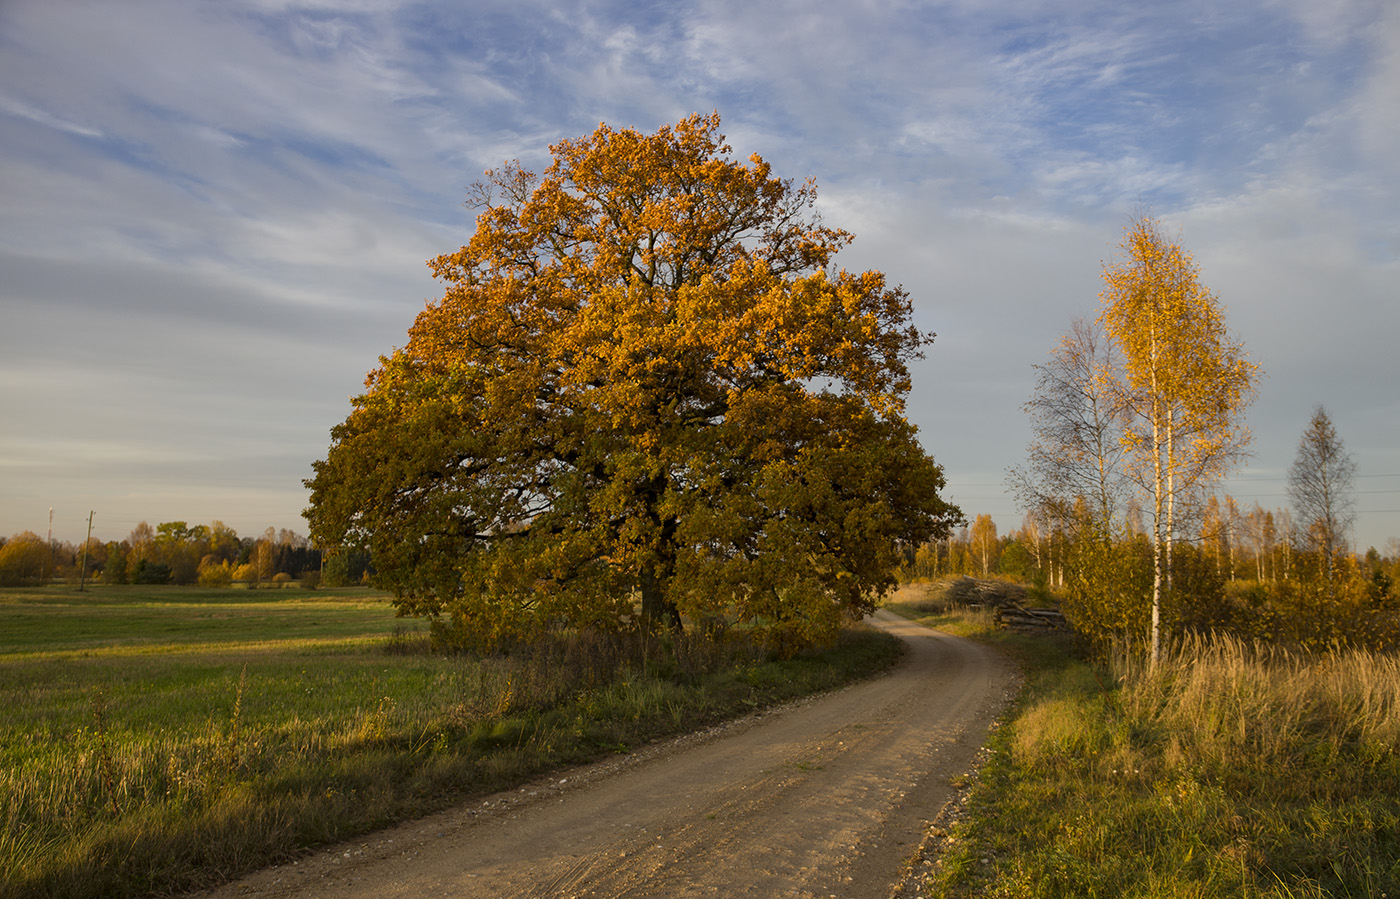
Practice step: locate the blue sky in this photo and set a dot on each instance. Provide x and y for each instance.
(215, 215)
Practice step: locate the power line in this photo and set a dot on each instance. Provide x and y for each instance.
(1285, 493)
(1245, 477)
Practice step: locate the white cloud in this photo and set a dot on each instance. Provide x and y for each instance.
(25, 111)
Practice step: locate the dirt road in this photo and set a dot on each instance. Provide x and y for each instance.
(827, 797)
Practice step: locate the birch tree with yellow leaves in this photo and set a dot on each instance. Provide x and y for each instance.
(983, 542)
(646, 396)
(1187, 383)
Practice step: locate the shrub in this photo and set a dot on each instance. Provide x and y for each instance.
(114, 569)
(22, 560)
(148, 572)
(215, 574)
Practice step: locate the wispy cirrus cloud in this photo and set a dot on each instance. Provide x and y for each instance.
(207, 202)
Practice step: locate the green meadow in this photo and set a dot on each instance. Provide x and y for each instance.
(158, 739)
(123, 619)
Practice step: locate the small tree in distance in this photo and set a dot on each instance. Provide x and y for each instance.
(1320, 485)
(984, 542)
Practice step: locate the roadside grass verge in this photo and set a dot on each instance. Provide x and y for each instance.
(157, 763)
(1232, 770)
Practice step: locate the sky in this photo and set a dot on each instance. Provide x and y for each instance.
(214, 216)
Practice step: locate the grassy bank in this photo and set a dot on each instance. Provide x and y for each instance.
(161, 739)
(1230, 770)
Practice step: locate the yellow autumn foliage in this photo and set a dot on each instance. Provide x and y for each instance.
(1186, 384)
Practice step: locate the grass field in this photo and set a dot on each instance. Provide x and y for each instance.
(157, 739)
(123, 619)
(1230, 770)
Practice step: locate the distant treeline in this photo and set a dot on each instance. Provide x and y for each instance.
(1250, 572)
(173, 552)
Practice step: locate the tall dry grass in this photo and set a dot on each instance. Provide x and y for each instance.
(1229, 769)
(1222, 700)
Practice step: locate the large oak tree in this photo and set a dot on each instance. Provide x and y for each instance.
(647, 395)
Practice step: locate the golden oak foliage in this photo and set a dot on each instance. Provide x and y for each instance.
(645, 380)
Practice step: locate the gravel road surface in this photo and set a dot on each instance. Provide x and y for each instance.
(826, 797)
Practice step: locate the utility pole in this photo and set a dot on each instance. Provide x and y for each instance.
(43, 576)
(82, 580)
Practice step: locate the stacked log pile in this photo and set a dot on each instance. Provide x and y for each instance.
(1020, 618)
(1008, 601)
(978, 593)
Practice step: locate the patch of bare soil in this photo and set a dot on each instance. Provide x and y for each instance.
(830, 796)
